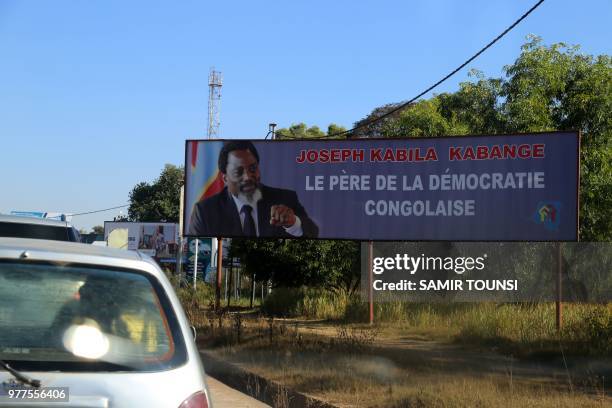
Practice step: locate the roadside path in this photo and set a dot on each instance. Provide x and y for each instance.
(411, 349)
(223, 396)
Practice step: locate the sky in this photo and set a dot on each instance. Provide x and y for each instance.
(96, 96)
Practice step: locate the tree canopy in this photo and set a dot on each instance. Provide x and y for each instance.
(302, 131)
(547, 88)
(160, 200)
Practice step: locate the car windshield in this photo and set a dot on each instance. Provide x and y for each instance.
(80, 318)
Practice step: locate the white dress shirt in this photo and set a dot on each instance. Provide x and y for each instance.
(295, 229)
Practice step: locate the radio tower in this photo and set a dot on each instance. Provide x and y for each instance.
(215, 82)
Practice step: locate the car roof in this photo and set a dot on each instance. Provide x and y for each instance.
(33, 220)
(73, 252)
(74, 248)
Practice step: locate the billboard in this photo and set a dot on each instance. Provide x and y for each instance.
(157, 239)
(205, 254)
(462, 188)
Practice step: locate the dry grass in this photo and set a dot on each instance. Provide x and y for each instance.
(379, 382)
(348, 367)
(517, 329)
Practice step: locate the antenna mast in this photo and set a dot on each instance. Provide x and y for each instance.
(215, 82)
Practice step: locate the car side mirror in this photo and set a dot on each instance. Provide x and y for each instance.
(194, 332)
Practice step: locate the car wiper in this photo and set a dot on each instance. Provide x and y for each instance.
(20, 377)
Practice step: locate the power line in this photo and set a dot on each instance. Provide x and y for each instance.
(405, 104)
(97, 211)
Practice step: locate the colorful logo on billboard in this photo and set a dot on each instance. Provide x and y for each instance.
(548, 214)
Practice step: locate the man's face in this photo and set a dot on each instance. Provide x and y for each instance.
(242, 173)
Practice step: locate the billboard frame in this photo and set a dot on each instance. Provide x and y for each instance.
(556, 133)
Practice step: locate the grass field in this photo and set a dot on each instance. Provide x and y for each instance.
(519, 329)
(416, 355)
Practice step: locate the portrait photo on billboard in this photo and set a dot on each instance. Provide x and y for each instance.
(235, 201)
(520, 187)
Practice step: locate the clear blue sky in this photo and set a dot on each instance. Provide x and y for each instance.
(96, 96)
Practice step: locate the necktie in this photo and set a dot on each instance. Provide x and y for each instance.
(249, 223)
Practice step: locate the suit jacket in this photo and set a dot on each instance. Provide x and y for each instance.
(218, 215)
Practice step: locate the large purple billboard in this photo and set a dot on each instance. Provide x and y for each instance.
(467, 188)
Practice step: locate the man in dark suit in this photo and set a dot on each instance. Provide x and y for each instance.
(245, 207)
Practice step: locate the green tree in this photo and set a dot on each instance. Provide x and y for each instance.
(302, 131)
(372, 126)
(547, 88)
(424, 119)
(98, 229)
(475, 107)
(292, 263)
(556, 87)
(333, 130)
(157, 201)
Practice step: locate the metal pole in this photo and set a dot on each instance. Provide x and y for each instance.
(195, 262)
(179, 260)
(219, 266)
(559, 305)
(253, 291)
(228, 284)
(238, 283)
(179, 253)
(271, 127)
(370, 278)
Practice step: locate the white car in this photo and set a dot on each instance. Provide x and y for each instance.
(84, 326)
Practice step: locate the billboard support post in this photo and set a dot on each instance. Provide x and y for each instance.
(195, 263)
(559, 305)
(229, 281)
(252, 290)
(219, 266)
(179, 259)
(370, 291)
(179, 253)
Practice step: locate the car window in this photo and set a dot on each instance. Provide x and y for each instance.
(37, 231)
(66, 317)
(74, 235)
